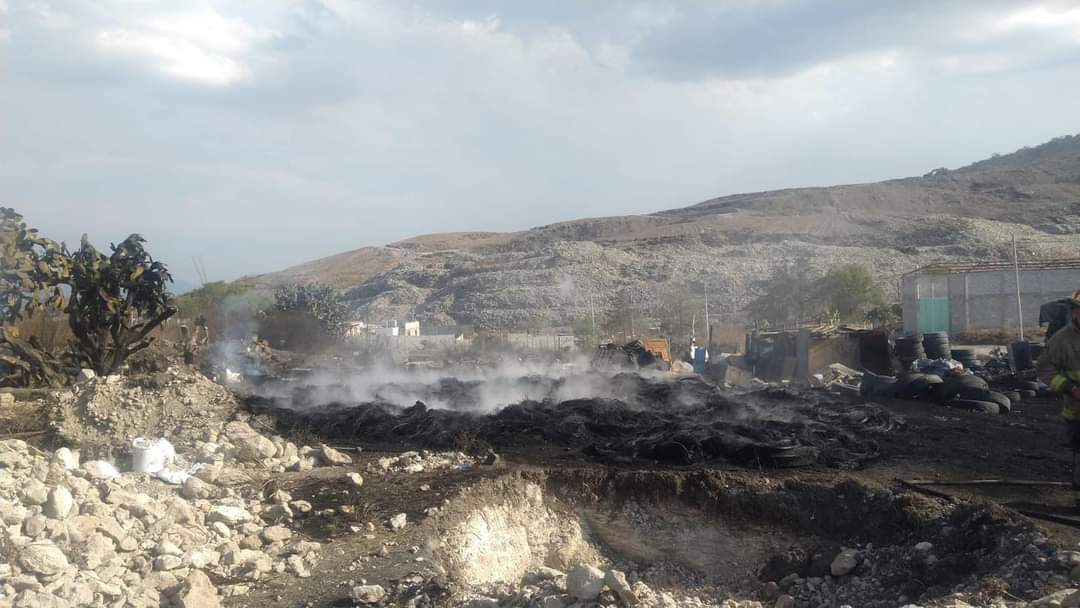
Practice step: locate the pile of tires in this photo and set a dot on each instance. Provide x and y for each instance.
(970, 393)
(966, 357)
(1024, 389)
(909, 349)
(936, 345)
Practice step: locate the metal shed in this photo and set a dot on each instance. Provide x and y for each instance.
(983, 295)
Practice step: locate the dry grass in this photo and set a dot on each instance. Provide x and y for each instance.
(998, 336)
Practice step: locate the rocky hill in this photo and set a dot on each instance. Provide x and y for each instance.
(550, 274)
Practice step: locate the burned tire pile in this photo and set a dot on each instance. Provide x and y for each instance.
(677, 422)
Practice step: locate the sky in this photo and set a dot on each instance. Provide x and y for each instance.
(258, 135)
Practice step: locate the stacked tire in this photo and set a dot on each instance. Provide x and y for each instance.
(966, 357)
(936, 345)
(909, 349)
(970, 393)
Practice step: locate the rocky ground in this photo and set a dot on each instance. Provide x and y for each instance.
(290, 521)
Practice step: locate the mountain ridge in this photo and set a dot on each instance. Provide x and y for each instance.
(544, 274)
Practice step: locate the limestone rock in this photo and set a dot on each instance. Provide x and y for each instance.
(616, 581)
(34, 493)
(355, 479)
(59, 503)
(274, 534)
(67, 458)
(332, 457)
(368, 594)
(43, 558)
(398, 521)
(197, 592)
(229, 515)
(195, 488)
(585, 582)
(845, 562)
(99, 470)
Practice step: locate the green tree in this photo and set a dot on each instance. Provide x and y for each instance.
(112, 302)
(116, 300)
(789, 296)
(849, 291)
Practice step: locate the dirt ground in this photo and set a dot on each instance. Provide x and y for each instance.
(935, 443)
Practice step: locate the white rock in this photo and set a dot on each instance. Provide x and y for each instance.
(616, 581)
(229, 515)
(59, 504)
(924, 547)
(332, 457)
(167, 562)
(34, 492)
(356, 479)
(399, 521)
(274, 534)
(67, 458)
(42, 558)
(368, 594)
(100, 470)
(197, 592)
(585, 582)
(1054, 600)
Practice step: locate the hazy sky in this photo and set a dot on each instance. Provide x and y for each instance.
(257, 135)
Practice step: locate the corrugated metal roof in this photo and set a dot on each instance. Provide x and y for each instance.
(987, 266)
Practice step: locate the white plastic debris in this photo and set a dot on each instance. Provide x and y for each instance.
(172, 475)
(151, 456)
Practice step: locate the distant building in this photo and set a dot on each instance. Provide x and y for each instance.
(982, 295)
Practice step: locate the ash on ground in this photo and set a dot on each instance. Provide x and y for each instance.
(653, 419)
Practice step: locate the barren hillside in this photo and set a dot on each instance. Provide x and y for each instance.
(548, 274)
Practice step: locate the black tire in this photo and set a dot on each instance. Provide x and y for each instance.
(1003, 401)
(974, 405)
(974, 393)
(1028, 394)
(954, 385)
(1026, 385)
(1013, 396)
(912, 386)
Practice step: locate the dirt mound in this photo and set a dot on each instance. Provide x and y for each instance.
(681, 422)
(179, 404)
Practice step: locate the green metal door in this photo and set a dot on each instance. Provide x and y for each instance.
(933, 314)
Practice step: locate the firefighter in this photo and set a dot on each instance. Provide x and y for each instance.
(1059, 368)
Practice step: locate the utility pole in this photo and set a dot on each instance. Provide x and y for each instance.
(1019, 304)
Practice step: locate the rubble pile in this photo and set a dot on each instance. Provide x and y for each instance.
(179, 404)
(585, 584)
(419, 462)
(81, 534)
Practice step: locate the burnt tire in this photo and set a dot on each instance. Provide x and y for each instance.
(956, 386)
(974, 405)
(1026, 385)
(1028, 394)
(1013, 396)
(1002, 400)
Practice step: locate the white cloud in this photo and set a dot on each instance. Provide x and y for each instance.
(263, 134)
(202, 46)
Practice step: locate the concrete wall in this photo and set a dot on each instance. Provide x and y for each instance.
(987, 300)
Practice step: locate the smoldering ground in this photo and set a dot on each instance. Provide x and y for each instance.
(611, 416)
